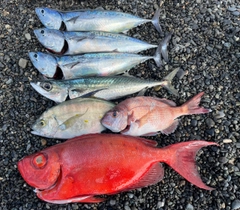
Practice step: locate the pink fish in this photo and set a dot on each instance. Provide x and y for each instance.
(145, 116)
(83, 168)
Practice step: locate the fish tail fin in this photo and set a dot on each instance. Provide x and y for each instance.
(157, 57)
(166, 82)
(182, 160)
(164, 45)
(155, 21)
(192, 105)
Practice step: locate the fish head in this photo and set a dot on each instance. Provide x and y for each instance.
(115, 120)
(52, 39)
(46, 125)
(40, 170)
(52, 90)
(46, 64)
(50, 18)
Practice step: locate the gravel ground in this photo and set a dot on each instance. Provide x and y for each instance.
(205, 47)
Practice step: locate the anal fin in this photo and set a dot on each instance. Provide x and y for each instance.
(171, 128)
(154, 174)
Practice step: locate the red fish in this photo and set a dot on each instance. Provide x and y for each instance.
(146, 116)
(82, 168)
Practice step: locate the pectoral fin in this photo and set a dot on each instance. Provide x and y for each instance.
(71, 121)
(74, 19)
(71, 65)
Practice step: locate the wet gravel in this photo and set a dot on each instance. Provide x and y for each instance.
(205, 47)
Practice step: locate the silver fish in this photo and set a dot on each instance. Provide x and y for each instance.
(72, 118)
(92, 64)
(110, 87)
(92, 20)
(72, 43)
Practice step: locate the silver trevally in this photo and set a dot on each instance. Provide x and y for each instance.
(72, 118)
(92, 20)
(92, 64)
(71, 43)
(109, 87)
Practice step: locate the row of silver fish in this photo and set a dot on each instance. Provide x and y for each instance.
(82, 76)
(95, 64)
(86, 33)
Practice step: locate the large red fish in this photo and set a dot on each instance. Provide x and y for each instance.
(82, 168)
(146, 116)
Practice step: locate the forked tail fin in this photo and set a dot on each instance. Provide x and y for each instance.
(166, 83)
(192, 105)
(181, 157)
(155, 21)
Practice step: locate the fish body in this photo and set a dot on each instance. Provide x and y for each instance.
(72, 43)
(82, 168)
(144, 116)
(92, 20)
(110, 87)
(94, 64)
(72, 118)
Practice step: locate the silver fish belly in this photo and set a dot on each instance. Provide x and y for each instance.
(72, 43)
(93, 20)
(72, 118)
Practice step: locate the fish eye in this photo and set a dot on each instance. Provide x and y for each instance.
(114, 114)
(35, 55)
(42, 123)
(42, 11)
(42, 31)
(39, 161)
(47, 86)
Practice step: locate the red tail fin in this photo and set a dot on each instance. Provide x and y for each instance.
(183, 160)
(192, 106)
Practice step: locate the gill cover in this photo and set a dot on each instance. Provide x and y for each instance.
(40, 170)
(51, 39)
(50, 18)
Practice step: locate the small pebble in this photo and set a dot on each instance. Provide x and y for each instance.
(43, 142)
(28, 36)
(236, 204)
(22, 63)
(112, 202)
(189, 207)
(226, 141)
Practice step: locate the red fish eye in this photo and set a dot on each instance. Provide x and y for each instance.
(114, 114)
(40, 161)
